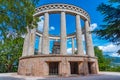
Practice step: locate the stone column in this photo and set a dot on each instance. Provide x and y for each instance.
(85, 66)
(64, 68)
(26, 45)
(80, 50)
(40, 41)
(73, 48)
(32, 41)
(88, 39)
(63, 45)
(45, 38)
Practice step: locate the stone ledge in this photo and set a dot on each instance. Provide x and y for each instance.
(55, 55)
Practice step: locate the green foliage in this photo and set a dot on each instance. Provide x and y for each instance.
(115, 69)
(104, 63)
(75, 52)
(17, 15)
(10, 52)
(16, 18)
(111, 28)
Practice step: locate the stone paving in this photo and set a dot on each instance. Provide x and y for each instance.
(100, 76)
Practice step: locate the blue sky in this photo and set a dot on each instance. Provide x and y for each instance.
(96, 20)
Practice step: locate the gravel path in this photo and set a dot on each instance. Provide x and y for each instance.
(100, 76)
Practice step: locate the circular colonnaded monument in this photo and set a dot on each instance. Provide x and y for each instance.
(59, 62)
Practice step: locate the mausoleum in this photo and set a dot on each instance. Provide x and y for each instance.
(42, 63)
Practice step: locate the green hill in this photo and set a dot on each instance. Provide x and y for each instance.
(115, 60)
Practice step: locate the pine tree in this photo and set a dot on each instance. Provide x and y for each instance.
(111, 28)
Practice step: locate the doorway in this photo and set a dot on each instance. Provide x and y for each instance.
(74, 67)
(53, 68)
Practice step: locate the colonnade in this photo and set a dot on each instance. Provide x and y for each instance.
(44, 48)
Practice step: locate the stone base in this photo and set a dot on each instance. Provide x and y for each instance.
(38, 65)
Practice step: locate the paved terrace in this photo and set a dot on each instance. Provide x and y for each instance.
(100, 76)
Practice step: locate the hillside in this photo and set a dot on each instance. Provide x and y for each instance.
(115, 60)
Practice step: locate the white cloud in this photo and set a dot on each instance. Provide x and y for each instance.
(42, 17)
(115, 55)
(93, 26)
(70, 42)
(50, 51)
(69, 50)
(84, 52)
(52, 28)
(41, 23)
(23, 36)
(110, 48)
(83, 37)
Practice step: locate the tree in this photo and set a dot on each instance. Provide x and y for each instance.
(118, 52)
(16, 15)
(111, 29)
(16, 18)
(104, 63)
(10, 52)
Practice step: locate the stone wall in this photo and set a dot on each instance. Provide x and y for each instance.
(38, 65)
